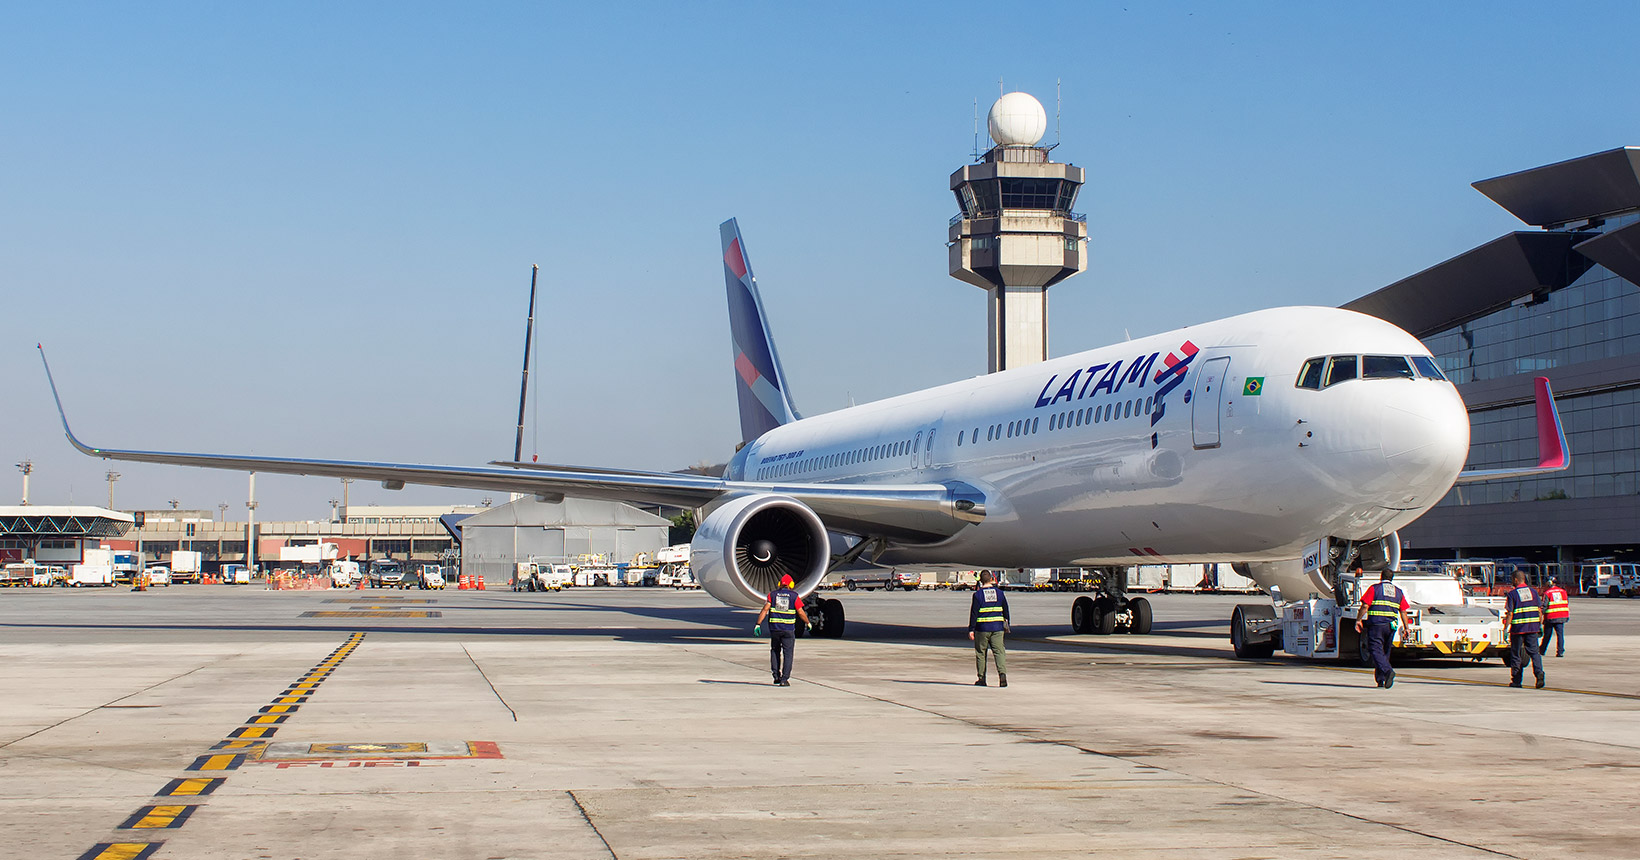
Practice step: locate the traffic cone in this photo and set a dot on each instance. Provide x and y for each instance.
(463, 584)
(481, 583)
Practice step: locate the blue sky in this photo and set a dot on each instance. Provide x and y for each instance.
(306, 230)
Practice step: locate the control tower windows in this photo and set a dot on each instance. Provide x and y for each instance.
(1020, 193)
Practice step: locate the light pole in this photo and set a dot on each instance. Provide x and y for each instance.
(112, 477)
(173, 503)
(223, 507)
(333, 504)
(27, 467)
(346, 485)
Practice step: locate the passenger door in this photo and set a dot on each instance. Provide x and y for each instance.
(1207, 402)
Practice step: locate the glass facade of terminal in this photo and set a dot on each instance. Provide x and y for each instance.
(1596, 317)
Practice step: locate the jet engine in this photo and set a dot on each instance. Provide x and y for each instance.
(747, 543)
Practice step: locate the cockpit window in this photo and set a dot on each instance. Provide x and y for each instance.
(1341, 368)
(1427, 367)
(1385, 367)
(1309, 376)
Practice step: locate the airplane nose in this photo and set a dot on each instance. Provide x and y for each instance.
(1424, 434)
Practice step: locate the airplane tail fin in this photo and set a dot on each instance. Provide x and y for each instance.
(760, 384)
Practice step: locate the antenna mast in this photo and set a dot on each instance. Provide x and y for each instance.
(976, 128)
(1058, 103)
(524, 388)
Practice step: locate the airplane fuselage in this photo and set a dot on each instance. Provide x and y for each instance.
(1187, 446)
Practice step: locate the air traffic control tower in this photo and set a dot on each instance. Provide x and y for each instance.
(1016, 235)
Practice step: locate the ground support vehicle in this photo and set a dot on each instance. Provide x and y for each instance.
(541, 576)
(429, 576)
(186, 566)
(676, 575)
(344, 573)
(20, 574)
(386, 573)
(884, 578)
(1607, 578)
(1443, 621)
(86, 574)
(157, 575)
(236, 574)
(126, 564)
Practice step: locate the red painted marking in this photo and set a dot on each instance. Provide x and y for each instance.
(736, 261)
(1151, 551)
(748, 373)
(1135, 550)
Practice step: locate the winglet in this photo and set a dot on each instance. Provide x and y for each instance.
(1554, 454)
(84, 448)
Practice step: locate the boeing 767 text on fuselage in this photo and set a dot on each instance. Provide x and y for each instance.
(1294, 441)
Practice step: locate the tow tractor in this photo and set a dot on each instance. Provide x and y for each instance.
(1443, 621)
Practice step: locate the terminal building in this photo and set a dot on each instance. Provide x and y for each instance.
(1559, 301)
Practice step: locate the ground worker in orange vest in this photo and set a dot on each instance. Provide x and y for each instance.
(1557, 610)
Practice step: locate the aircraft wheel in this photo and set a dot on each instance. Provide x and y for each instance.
(1242, 618)
(1082, 615)
(1104, 616)
(833, 611)
(1139, 608)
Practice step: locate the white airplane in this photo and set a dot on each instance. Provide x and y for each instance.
(1294, 441)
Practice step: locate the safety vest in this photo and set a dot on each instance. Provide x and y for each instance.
(1386, 602)
(1560, 607)
(783, 609)
(990, 610)
(1526, 609)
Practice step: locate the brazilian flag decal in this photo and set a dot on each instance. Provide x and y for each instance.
(1254, 386)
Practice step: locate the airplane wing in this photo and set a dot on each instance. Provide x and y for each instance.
(1554, 455)
(914, 512)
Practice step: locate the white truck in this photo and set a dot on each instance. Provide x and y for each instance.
(1443, 622)
(542, 576)
(97, 568)
(1608, 578)
(344, 573)
(186, 566)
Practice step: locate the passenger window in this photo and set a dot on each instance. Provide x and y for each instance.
(959, 437)
(1147, 405)
(1385, 367)
(1427, 368)
(1309, 376)
(1095, 416)
(1341, 368)
(1034, 423)
(1127, 409)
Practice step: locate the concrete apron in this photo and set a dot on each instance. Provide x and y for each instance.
(661, 750)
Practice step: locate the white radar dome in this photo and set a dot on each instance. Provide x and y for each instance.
(1017, 119)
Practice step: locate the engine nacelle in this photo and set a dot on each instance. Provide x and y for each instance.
(746, 544)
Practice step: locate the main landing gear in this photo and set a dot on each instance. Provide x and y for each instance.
(1112, 611)
(1105, 615)
(826, 618)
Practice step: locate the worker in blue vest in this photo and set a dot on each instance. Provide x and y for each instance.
(1522, 621)
(1382, 606)
(783, 609)
(987, 622)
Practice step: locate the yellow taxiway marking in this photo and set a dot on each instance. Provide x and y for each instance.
(158, 817)
(193, 787)
(121, 850)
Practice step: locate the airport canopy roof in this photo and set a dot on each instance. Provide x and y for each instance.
(1594, 185)
(1478, 282)
(1618, 250)
(63, 521)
